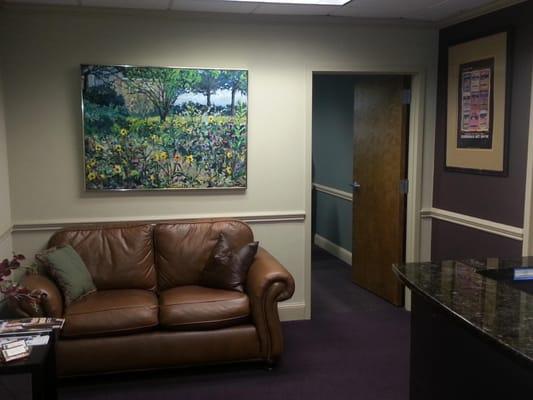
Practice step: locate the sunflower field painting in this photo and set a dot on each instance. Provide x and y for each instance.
(150, 128)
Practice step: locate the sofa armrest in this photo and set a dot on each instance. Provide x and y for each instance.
(268, 283)
(53, 301)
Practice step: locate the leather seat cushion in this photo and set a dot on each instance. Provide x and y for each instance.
(196, 307)
(111, 312)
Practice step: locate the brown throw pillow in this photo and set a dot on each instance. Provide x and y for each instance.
(227, 269)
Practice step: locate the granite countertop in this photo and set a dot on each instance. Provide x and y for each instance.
(496, 308)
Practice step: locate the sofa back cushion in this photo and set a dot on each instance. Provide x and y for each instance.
(118, 257)
(183, 249)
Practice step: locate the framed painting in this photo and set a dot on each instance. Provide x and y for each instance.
(162, 128)
(477, 105)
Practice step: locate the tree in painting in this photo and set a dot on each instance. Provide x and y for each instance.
(235, 82)
(159, 128)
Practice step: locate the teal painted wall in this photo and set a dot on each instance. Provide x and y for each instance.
(332, 155)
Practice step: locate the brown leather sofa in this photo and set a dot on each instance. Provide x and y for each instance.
(149, 310)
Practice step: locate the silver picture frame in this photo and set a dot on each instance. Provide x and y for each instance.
(215, 113)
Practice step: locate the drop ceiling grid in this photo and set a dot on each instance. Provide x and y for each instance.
(424, 10)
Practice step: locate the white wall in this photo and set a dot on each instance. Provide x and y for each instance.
(5, 206)
(42, 52)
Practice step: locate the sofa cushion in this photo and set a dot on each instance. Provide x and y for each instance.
(111, 312)
(183, 249)
(197, 307)
(117, 256)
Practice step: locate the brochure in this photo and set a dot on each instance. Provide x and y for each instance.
(14, 350)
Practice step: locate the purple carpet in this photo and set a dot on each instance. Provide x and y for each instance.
(355, 347)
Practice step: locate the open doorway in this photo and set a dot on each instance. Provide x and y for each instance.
(359, 203)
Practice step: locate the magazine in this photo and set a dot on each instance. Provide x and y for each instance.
(30, 325)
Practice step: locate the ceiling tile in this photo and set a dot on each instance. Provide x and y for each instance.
(46, 2)
(142, 4)
(291, 9)
(383, 8)
(446, 9)
(213, 6)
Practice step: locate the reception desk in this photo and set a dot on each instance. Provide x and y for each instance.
(471, 330)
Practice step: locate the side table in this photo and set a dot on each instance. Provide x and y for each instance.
(41, 364)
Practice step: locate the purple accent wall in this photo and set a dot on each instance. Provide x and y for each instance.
(498, 199)
(452, 242)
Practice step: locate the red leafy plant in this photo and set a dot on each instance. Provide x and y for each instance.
(25, 301)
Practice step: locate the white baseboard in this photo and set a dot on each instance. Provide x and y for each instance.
(333, 249)
(292, 311)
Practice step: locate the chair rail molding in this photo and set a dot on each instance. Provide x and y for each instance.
(251, 218)
(341, 194)
(496, 228)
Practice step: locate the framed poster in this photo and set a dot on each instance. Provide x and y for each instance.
(478, 100)
(161, 128)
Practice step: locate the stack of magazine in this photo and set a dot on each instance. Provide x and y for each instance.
(17, 336)
(30, 325)
(14, 349)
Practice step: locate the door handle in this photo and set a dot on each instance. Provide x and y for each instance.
(355, 185)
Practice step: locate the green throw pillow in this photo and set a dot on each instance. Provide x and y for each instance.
(70, 273)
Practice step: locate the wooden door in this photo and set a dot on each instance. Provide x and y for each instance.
(381, 119)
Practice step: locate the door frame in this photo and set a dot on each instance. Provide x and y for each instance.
(413, 243)
(527, 240)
